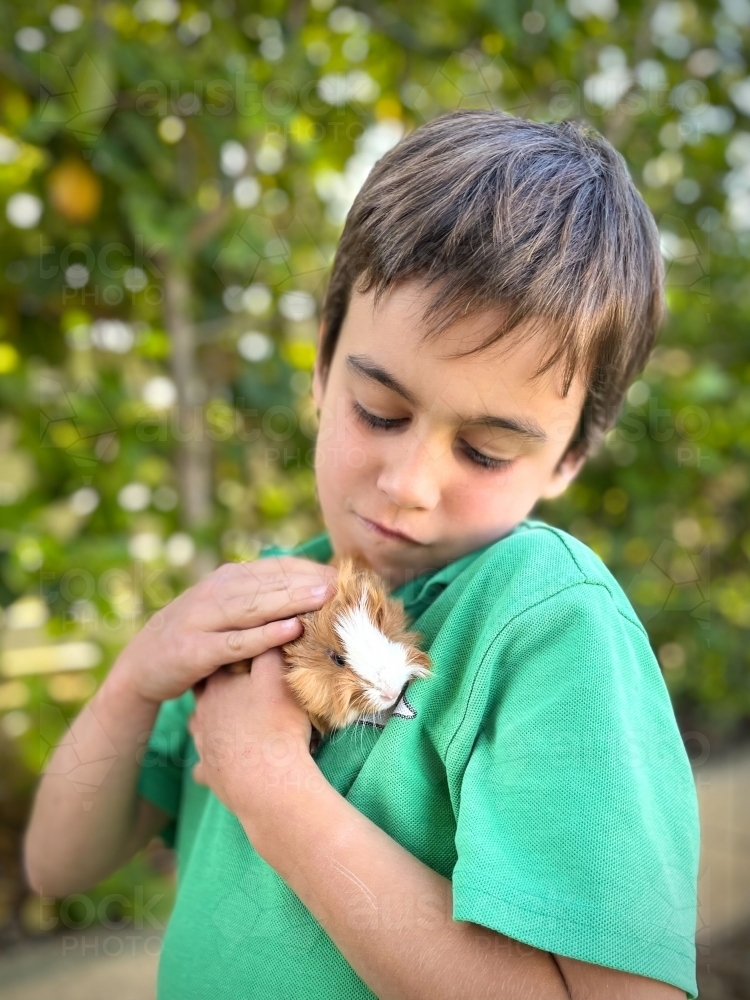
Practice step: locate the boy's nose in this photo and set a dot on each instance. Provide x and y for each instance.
(410, 476)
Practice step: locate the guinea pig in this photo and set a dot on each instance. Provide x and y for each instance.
(356, 656)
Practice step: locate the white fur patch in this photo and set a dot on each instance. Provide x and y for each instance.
(382, 664)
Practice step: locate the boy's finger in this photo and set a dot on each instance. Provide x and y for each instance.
(253, 582)
(269, 674)
(282, 583)
(292, 564)
(246, 611)
(245, 644)
(267, 573)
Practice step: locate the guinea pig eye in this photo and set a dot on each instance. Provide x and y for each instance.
(337, 658)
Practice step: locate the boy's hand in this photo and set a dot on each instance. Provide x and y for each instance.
(238, 612)
(252, 739)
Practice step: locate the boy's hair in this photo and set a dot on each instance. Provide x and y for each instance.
(541, 220)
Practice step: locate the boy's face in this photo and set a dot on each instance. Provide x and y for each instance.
(421, 475)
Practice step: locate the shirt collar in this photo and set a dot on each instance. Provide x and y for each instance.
(417, 594)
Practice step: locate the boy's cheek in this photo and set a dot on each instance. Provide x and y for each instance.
(344, 451)
(493, 499)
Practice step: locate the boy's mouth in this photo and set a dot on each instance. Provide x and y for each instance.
(384, 532)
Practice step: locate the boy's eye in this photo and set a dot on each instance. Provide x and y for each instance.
(476, 456)
(372, 421)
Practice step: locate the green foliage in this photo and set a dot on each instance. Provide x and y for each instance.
(172, 196)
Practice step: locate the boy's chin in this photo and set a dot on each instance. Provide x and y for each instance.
(395, 568)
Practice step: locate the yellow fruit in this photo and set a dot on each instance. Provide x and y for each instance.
(75, 191)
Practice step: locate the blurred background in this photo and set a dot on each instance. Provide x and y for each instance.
(173, 180)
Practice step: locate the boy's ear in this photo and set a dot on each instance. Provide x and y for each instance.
(567, 469)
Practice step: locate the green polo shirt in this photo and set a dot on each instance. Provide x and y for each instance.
(540, 769)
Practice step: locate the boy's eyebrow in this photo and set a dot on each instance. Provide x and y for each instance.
(364, 366)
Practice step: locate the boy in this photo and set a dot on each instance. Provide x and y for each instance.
(525, 824)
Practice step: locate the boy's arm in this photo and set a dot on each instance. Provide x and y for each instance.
(390, 915)
(75, 839)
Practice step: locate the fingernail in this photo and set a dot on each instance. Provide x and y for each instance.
(288, 624)
(319, 591)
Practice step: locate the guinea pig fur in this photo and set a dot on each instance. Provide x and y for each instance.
(356, 655)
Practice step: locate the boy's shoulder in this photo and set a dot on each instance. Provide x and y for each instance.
(536, 562)
(526, 568)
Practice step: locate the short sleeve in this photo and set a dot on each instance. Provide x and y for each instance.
(577, 826)
(164, 759)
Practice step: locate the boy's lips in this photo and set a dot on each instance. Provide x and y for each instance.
(385, 532)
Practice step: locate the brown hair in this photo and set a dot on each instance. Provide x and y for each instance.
(541, 220)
